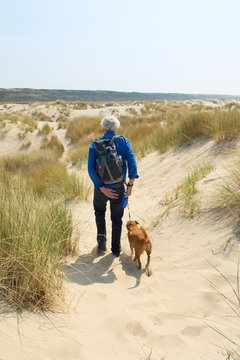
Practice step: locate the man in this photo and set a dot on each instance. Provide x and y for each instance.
(112, 192)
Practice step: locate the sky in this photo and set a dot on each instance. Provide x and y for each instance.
(184, 46)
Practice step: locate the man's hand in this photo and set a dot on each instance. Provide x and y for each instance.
(129, 188)
(129, 191)
(110, 193)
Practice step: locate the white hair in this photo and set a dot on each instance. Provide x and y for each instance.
(110, 123)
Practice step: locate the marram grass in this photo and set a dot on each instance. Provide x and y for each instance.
(229, 194)
(160, 127)
(45, 175)
(188, 189)
(36, 230)
(35, 234)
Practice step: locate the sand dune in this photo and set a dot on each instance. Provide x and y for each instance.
(117, 312)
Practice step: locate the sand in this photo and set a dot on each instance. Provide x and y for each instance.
(114, 311)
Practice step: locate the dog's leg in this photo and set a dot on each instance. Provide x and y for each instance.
(148, 268)
(148, 259)
(137, 257)
(139, 263)
(131, 251)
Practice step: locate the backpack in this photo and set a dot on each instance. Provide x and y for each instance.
(109, 165)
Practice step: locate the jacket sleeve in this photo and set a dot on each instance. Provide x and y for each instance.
(92, 156)
(130, 157)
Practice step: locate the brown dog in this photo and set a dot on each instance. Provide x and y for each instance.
(140, 241)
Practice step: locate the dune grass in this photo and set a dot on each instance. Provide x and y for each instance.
(55, 145)
(45, 130)
(79, 153)
(40, 116)
(52, 180)
(229, 193)
(23, 161)
(36, 228)
(82, 130)
(35, 234)
(62, 121)
(79, 105)
(232, 301)
(45, 175)
(160, 127)
(188, 189)
(20, 118)
(80, 127)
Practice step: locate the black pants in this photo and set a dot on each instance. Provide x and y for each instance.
(99, 203)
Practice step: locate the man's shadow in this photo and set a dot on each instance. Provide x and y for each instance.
(91, 268)
(94, 268)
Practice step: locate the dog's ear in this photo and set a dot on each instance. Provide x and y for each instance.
(136, 222)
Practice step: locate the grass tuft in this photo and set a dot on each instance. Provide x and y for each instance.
(35, 234)
(36, 230)
(229, 194)
(232, 303)
(46, 129)
(55, 145)
(82, 126)
(188, 188)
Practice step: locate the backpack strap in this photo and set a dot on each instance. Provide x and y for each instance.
(115, 137)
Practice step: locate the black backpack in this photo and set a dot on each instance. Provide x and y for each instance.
(109, 165)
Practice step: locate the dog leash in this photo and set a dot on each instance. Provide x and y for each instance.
(129, 215)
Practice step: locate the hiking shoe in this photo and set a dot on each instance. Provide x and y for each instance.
(102, 247)
(117, 254)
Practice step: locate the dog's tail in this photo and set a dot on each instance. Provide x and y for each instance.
(148, 270)
(144, 232)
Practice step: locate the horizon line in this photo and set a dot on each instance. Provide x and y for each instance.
(119, 91)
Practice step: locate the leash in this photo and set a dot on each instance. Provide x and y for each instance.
(129, 215)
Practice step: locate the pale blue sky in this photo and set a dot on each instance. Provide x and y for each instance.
(135, 45)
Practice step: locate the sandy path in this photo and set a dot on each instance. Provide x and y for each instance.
(116, 311)
(165, 313)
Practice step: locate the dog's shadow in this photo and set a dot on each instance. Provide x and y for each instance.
(94, 268)
(91, 268)
(131, 268)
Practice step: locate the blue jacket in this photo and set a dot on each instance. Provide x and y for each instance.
(124, 149)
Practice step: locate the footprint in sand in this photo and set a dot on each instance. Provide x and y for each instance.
(135, 328)
(192, 330)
